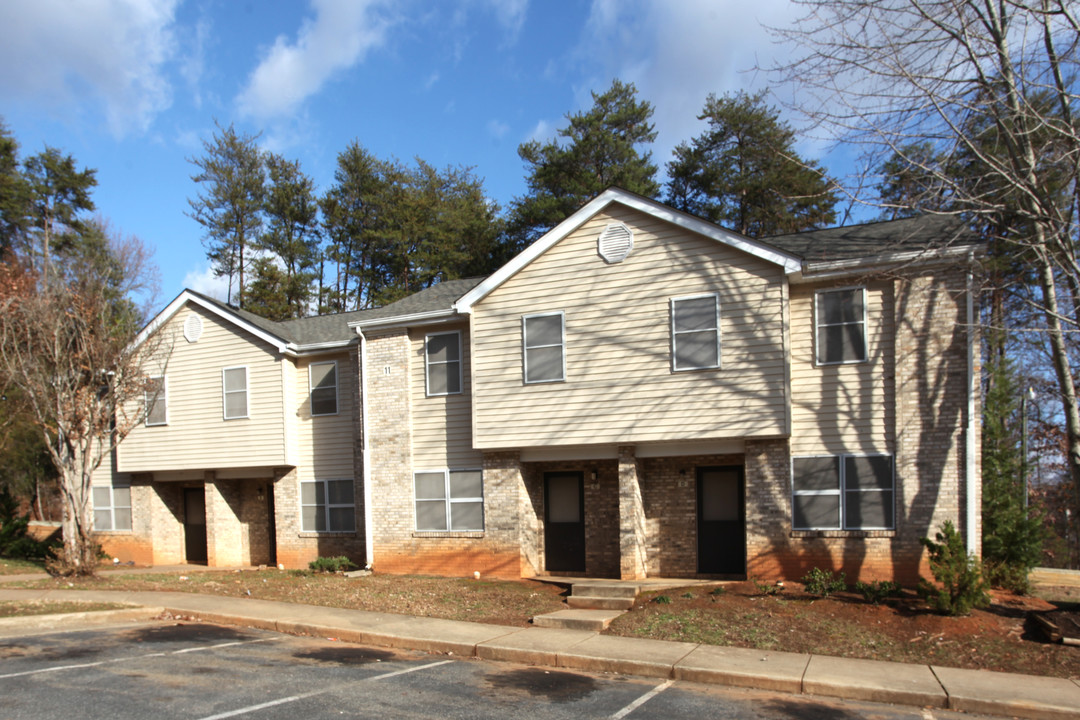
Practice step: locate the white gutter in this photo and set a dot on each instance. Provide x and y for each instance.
(969, 454)
(413, 319)
(369, 535)
(825, 270)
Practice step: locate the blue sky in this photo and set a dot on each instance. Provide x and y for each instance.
(131, 87)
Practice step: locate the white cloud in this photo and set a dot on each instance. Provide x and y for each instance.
(110, 52)
(337, 38)
(203, 280)
(510, 14)
(193, 63)
(542, 132)
(678, 53)
(432, 79)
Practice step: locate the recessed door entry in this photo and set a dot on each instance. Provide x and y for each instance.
(721, 521)
(195, 525)
(564, 522)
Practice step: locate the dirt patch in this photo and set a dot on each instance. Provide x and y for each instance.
(551, 685)
(510, 602)
(25, 609)
(845, 625)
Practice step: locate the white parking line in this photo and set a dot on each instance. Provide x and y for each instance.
(132, 657)
(641, 700)
(294, 698)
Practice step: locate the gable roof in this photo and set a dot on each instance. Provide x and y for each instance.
(764, 251)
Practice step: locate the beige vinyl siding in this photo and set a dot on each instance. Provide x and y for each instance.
(325, 443)
(619, 385)
(442, 426)
(842, 408)
(198, 436)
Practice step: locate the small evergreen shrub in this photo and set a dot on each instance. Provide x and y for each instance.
(332, 564)
(688, 595)
(963, 587)
(878, 591)
(1013, 578)
(662, 600)
(765, 588)
(718, 590)
(14, 542)
(823, 583)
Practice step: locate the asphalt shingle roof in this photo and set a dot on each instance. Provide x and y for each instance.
(924, 232)
(335, 328)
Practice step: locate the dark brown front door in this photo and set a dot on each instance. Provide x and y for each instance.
(564, 522)
(195, 525)
(721, 525)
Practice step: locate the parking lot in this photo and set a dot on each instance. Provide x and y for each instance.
(193, 670)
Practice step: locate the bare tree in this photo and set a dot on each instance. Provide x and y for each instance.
(67, 342)
(990, 84)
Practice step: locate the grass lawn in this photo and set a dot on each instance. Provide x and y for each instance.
(11, 609)
(20, 567)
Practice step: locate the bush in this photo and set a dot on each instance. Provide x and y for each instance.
(14, 542)
(662, 600)
(823, 583)
(877, 591)
(963, 587)
(1013, 578)
(765, 588)
(332, 564)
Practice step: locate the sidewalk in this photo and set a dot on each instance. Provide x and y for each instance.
(922, 685)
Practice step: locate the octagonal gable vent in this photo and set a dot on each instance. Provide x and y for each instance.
(615, 243)
(193, 328)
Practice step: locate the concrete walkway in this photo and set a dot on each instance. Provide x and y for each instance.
(922, 685)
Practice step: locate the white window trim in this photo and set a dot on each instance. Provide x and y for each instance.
(327, 506)
(448, 501)
(164, 395)
(428, 362)
(112, 507)
(311, 390)
(525, 348)
(247, 393)
(671, 321)
(818, 325)
(842, 491)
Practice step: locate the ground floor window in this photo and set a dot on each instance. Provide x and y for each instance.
(449, 500)
(848, 492)
(112, 508)
(327, 506)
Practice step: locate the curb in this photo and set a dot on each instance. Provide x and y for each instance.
(89, 618)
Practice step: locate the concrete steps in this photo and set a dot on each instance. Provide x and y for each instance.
(593, 605)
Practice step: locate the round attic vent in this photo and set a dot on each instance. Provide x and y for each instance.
(615, 242)
(192, 328)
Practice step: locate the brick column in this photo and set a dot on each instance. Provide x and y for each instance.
(631, 516)
(165, 503)
(510, 523)
(224, 541)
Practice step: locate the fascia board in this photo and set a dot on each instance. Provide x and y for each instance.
(790, 263)
(838, 268)
(421, 318)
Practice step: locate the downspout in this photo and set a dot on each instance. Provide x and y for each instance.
(969, 454)
(369, 535)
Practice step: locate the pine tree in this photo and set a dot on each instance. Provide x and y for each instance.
(57, 193)
(230, 209)
(282, 285)
(13, 192)
(743, 172)
(600, 148)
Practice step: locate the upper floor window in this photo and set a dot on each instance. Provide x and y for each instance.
(234, 392)
(544, 347)
(112, 508)
(442, 358)
(156, 401)
(322, 384)
(840, 332)
(849, 492)
(695, 332)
